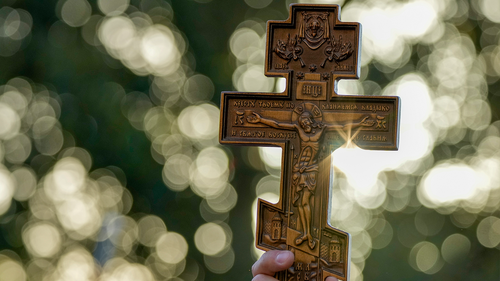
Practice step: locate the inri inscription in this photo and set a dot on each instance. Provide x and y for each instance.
(312, 49)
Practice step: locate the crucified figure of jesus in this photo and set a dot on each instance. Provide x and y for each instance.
(305, 170)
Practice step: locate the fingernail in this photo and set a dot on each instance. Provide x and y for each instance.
(283, 257)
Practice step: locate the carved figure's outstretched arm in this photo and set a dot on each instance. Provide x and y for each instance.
(331, 127)
(256, 118)
(365, 122)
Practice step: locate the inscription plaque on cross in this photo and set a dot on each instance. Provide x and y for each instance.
(312, 50)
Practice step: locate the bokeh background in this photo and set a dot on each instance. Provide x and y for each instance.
(110, 167)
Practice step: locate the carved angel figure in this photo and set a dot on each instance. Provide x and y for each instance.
(337, 51)
(289, 50)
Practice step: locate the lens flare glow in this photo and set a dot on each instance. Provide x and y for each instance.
(389, 29)
(143, 47)
(199, 122)
(11, 270)
(488, 232)
(448, 183)
(7, 185)
(210, 239)
(42, 239)
(171, 247)
(11, 123)
(76, 12)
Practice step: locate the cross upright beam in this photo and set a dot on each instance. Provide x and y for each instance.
(312, 50)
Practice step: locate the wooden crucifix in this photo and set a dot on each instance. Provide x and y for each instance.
(312, 50)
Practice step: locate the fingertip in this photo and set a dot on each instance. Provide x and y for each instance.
(285, 258)
(273, 261)
(331, 279)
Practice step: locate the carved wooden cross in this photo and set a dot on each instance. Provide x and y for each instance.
(312, 49)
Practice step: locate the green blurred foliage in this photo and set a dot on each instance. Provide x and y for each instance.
(91, 113)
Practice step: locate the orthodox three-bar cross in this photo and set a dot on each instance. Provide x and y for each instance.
(312, 50)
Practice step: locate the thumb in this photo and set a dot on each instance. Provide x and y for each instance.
(272, 262)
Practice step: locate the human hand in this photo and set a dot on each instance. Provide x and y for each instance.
(272, 262)
(255, 118)
(367, 123)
